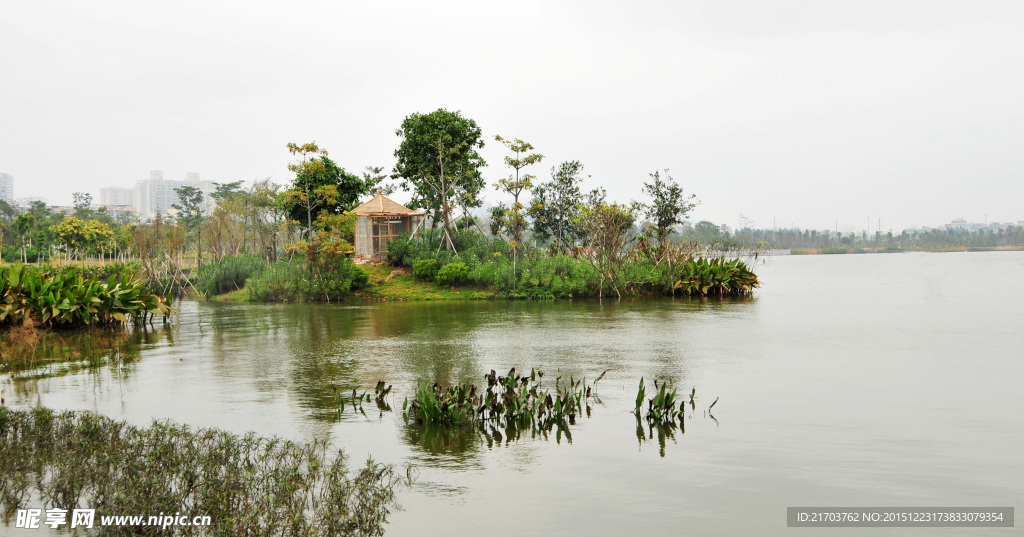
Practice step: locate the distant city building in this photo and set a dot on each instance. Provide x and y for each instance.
(154, 196)
(6, 187)
(117, 196)
(961, 224)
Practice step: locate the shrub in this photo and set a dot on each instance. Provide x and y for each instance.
(229, 274)
(453, 274)
(295, 281)
(425, 270)
(360, 277)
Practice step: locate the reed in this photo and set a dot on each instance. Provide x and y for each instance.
(247, 485)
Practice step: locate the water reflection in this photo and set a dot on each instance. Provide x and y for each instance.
(666, 431)
(33, 356)
(48, 353)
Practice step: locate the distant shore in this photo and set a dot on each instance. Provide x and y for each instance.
(827, 251)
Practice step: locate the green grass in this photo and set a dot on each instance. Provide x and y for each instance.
(238, 295)
(389, 283)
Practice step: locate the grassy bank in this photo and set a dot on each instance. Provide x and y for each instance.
(245, 485)
(390, 283)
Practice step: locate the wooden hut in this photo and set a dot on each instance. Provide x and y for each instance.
(379, 221)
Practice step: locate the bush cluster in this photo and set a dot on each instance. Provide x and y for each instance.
(228, 275)
(295, 281)
(454, 273)
(425, 270)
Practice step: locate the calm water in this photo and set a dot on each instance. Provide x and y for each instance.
(893, 380)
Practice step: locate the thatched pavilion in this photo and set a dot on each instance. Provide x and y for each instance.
(380, 220)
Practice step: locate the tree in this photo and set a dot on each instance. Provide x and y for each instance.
(23, 225)
(373, 179)
(556, 202)
(304, 192)
(224, 191)
(71, 233)
(670, 205)
(605, 230)
(191, 215)
(322, 185)
(515, 216)
(82, 200)
(438, 161)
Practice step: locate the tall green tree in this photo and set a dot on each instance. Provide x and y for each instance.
(439, 162)
(190, 214)
(321, 185)
(304, 192)
(515, 185)
(556, 202)
(669, 205)
(23, 225)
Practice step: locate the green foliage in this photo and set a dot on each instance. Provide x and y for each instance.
(556, 204)
(509, 402)
(425, 270)
(66, 300)
(513, 219)
(297, 281)
(471, 246)
(669, 205)
(246, 485)
(191, 208)
(715, 277)
(437, 159)
(542, 275)
(452, 274)
(227, 275)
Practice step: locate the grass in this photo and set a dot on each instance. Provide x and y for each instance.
(238, 295)
(389, 283)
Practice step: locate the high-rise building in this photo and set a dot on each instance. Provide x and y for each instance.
(156, 195)
(6, 187)
(117, 196)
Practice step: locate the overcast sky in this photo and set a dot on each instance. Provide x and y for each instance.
(805, 112)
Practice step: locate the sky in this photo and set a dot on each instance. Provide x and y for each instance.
(802, 114)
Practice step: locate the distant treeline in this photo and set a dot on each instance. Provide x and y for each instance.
(936, 239)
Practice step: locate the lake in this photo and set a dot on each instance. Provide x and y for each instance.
(847, 380)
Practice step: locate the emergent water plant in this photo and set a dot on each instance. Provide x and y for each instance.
(511, 401)
(66, 300)
(247, 485)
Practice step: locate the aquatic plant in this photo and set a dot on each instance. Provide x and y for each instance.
(65, 300)
(247, 485)
(715, 277)
(514, 402)
(663, 408)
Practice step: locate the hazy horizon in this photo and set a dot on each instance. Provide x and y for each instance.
(799, 112)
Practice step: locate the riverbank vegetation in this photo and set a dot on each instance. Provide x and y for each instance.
(244, 485)
(551, 238)
(63, 298)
